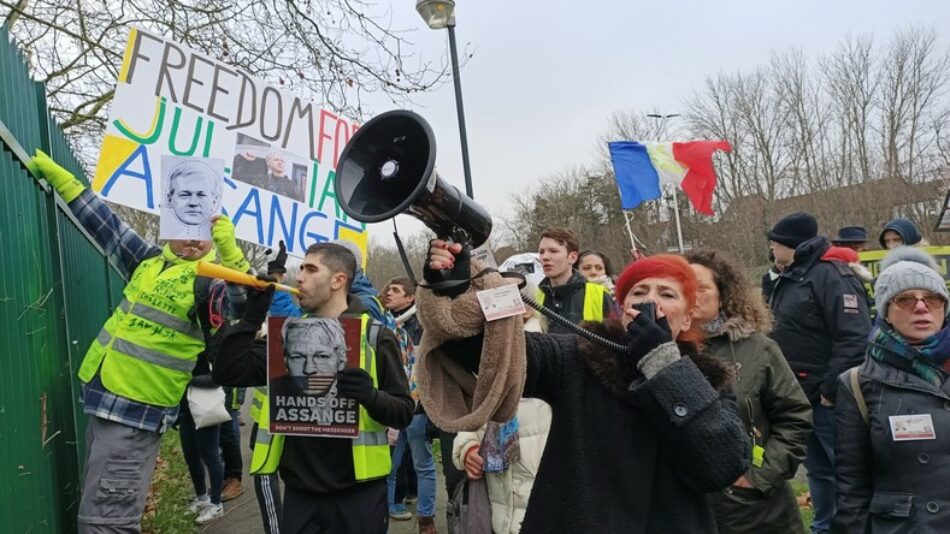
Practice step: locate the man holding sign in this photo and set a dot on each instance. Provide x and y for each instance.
(333, 484)
(138, 368)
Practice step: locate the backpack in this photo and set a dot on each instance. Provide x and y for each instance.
(858, 394)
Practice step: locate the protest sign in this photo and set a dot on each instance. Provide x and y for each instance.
(279, 151)
(303, 357)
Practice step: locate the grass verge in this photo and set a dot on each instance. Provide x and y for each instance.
(800, 486)
(171, 491)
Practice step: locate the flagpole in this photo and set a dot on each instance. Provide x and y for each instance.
(679, 228)
(633, 239)
(663, 118)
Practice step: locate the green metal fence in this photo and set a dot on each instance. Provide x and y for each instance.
(56, 290)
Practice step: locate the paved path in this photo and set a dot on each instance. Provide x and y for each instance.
(242, 515)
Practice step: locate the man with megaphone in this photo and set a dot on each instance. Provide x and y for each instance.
(332, 484)
(139, 366)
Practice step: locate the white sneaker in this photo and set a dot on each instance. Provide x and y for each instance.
(199, 503)
(210, 513)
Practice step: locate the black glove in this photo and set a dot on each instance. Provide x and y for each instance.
(644, 335)
(258, 301)
(450, 282)
(279, 263)
(356, 384)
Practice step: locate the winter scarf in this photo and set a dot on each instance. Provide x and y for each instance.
(453, 398)
(500, 447)
(930, 360)
(605, 281)
(408, 349)
(716, 326)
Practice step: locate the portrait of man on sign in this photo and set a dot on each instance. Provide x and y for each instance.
(192, 194)
(314, 352)
(304, 356)
(258, 164)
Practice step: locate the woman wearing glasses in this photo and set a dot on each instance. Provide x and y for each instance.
(893, 411)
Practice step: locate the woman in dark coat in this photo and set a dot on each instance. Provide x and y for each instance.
(893, 441)
(772, 405)
(638, 438)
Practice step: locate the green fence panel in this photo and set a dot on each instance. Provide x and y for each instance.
(56, 290)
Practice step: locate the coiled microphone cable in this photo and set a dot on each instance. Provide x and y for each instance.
(600, 340)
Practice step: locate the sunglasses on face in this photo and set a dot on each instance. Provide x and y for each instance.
(908, 301)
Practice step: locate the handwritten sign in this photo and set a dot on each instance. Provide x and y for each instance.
(280, 151)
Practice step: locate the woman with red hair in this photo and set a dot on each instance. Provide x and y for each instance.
(639, 436)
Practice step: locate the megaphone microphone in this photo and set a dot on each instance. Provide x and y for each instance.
(388, 168)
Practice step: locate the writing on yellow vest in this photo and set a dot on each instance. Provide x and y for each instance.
(593, 301)
(370, 448)
(148, 347)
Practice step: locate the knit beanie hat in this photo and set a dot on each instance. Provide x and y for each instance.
(794, 229)
(906, 228)
(906, 268)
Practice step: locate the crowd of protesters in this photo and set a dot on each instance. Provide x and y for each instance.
(672, 395)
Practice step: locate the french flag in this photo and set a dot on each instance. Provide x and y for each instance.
(641, 168)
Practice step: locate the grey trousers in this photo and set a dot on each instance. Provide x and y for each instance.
(120, 461)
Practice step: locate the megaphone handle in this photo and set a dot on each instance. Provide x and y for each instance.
(446, 274)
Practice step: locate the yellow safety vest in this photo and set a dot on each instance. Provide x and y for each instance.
(257, 402)
(371, 457)
(593, 302)
(148, 347)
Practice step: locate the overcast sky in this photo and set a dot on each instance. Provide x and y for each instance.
(546, 75)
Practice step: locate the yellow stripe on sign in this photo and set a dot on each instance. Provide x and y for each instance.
(127, 57)
(115, 151)
(359, 238)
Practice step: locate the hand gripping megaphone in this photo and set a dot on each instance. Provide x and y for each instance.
(388, 168)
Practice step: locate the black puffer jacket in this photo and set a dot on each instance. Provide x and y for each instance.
(821, 318)
(886, 485)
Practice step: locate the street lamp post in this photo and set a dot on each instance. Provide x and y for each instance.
(676, 206)
(439, 14)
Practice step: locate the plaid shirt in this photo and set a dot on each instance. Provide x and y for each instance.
(126, 249)
(122, 245)
(100, 402)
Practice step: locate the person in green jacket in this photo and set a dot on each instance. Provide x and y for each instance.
(772, 405)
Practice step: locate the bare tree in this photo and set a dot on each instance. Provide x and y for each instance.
(384, 262)
(856, 137)
(332, 51)
(851, 85)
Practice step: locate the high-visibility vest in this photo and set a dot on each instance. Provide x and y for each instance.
(234, 400)
(267, 447)
(148, 347)
(371, 457)
(593, 302)
(257, 402)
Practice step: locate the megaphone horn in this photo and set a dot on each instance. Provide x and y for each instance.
(388, 168)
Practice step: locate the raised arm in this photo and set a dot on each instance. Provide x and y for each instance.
(125, 247)
(238, 357)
